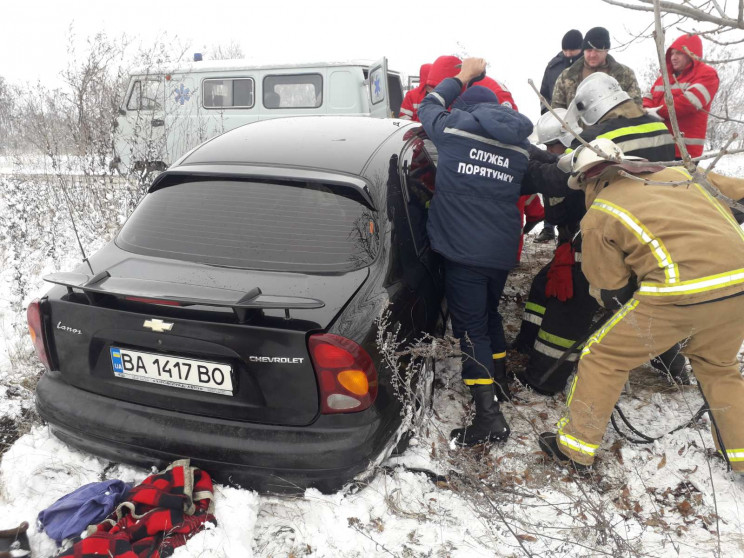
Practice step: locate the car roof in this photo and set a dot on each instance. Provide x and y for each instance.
(330, 143)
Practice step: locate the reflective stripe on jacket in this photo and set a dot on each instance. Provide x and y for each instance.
(682, 244)
(693, 91)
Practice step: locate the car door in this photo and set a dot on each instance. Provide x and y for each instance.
(140, 131)
(377, 89)
(417, 169)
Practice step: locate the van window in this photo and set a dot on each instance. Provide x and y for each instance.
(293, 91)
(228, 93)
(145, 95)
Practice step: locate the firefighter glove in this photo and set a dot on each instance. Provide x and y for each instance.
(560, 278)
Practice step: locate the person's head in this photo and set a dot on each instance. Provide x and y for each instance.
(586, 163)
(551, 132)
(679, 60)
(476, 95)
(571, 43)
(683, 53)
(443, 67)
(597, 95)
(596, 44)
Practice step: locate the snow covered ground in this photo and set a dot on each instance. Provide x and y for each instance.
(665, 499)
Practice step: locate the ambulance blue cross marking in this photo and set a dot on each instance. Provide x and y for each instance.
(182, 94)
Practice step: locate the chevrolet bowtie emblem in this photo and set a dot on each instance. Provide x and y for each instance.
(158, 326)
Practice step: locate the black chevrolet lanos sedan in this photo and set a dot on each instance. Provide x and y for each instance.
(232, 319)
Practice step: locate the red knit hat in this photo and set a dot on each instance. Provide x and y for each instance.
(444, 67)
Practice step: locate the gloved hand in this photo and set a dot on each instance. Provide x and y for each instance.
(653, 112)
(560, 277)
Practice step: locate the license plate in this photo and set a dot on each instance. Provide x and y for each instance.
(185, 373)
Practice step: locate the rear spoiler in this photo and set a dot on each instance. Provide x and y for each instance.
(180, 294)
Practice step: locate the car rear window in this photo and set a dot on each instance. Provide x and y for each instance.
(255, 225)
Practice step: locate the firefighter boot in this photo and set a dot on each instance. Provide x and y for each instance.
(501, 384)
(672, 361)
(489, 425)
(549, 444)
(545, 235)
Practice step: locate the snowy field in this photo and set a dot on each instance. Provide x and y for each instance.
(670, 498)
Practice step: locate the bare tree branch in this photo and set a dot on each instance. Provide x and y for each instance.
(668, 99)
(687, 11)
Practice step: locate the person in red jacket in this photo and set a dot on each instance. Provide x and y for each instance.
(410, 104)
(449, 66)
(694, 85)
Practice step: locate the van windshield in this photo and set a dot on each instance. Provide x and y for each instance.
(255, 225)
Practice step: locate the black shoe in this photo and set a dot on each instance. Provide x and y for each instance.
(15, 541)
(673, 362)
(489, 424)
(501, 382)
(546, 235)
(549, 444)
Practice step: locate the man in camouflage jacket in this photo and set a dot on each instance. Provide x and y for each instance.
(595, 59)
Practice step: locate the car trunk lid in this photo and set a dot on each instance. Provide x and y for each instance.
(196, 346)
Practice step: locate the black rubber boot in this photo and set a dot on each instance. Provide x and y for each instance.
(546, 235)
(672, 361)
(499, 376)
(14, 542)
(549, 444)
(489, 425)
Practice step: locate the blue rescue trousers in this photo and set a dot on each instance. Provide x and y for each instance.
(473, 296)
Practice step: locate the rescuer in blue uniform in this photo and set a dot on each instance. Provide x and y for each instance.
(475, 224)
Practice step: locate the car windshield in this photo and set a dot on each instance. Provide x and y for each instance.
(304, 227)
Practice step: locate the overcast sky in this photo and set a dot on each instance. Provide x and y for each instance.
(517, 38)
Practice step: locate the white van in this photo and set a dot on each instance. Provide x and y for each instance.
(167, 113)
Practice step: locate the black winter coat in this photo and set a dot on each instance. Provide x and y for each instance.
(556, 65)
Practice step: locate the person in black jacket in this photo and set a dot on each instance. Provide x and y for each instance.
(475, 224)
(570, 53)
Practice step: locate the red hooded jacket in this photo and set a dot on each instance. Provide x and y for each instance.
(693, 91)
(410, 104)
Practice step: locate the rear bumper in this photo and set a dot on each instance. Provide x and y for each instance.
(326, 455)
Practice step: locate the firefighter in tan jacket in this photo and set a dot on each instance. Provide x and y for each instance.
(672, 258)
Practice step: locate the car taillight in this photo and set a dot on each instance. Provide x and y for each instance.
(346, 375)
(35, 328)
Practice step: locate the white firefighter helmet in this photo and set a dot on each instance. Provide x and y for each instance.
(597, 95)
(549, 129)
(584, 159)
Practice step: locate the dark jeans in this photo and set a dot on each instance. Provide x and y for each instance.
(473, 296)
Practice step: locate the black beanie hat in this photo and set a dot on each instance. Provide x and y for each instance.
(597, 38)
(572, 40)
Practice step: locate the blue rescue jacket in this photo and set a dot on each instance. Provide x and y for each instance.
(473, 217)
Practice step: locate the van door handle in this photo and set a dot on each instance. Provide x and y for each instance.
(157, 122)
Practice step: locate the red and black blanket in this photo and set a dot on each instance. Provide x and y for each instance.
(158, 516)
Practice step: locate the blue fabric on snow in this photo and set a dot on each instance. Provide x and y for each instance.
(89, 504)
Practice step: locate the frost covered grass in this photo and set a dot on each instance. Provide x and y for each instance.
(673, 497)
